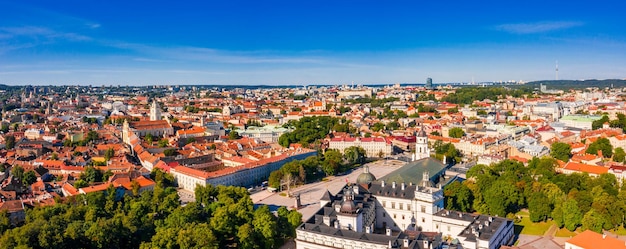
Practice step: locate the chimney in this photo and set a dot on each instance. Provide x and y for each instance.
(604, 236)
(406, 243)
(356, 189)
(403, 185)
(337, 224)
(388, 231)
(368, 229)
(382, 184)
(393, 184)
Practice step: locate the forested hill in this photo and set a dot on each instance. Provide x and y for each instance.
(577, 84)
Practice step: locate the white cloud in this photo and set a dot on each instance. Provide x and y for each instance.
(537, 27)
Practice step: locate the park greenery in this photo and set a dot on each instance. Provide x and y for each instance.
(571, 201)
(309, 129)
(467, 95)
(561, 151)
(374, 102)
(456, 132)
(620, 122)
(601, 144)
(222, 217)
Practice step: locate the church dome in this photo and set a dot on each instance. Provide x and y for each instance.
(348, 205)
(366, 177)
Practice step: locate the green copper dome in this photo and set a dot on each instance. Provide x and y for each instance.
(366, 177)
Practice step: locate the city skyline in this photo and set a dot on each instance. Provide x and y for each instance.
(293, 43)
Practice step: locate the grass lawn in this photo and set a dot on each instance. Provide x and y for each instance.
(619, 231)
(527, 227)
(522, 213)
(563, 232)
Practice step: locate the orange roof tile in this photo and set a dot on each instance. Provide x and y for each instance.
(581, 167)
(591, 239)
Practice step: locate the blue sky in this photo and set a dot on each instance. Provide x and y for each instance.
(308, 42)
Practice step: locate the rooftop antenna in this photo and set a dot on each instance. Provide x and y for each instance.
(557, 70)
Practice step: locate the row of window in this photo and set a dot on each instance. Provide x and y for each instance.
(401, 206)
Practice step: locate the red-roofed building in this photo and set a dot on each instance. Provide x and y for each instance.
(574, 167)
(590, 239)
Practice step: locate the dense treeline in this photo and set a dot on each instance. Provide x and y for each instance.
(374, 102)
(577, 84)
(570, 200)
(309, 129)
(620, 122)
(222, 217)
(467, 95)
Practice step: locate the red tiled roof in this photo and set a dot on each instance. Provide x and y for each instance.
(581, 167)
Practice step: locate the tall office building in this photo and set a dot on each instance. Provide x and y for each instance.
(429, 83)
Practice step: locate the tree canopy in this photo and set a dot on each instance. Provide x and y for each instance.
(570, 200)
(561, 151)
(456, 132)
(222, 217)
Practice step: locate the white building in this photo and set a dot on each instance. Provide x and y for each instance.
(268, 133)
(373, 146)
(397, 215)
(583, 122)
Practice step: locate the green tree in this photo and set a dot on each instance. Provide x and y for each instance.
(332, 162)
(561, 151)
(18, 172)
(274, 179)
(619, 155)
(5, 222)
(149, 138)
(30, 177)
(378, 126)
(539, 207)
(109, 153)
(9, 141)
(572, 216)
(456, 132)
(92, 136)
(232, 135)
(458, 197)
(91, 175)
(264, 224)
(170, 152)
(601, 144)
(246, 237)
(593, 221)
(355, 155)
(163, 143)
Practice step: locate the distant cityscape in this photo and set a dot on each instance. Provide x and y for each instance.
(390, 166)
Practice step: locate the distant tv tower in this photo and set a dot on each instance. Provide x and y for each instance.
(557, 70)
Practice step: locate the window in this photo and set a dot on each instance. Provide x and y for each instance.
(384, 204)
(393, 205)
(394, 216)
(403, 217)
(384, 214)
(448, 228)
(408, 207)
(423, 209)
(401, 206)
